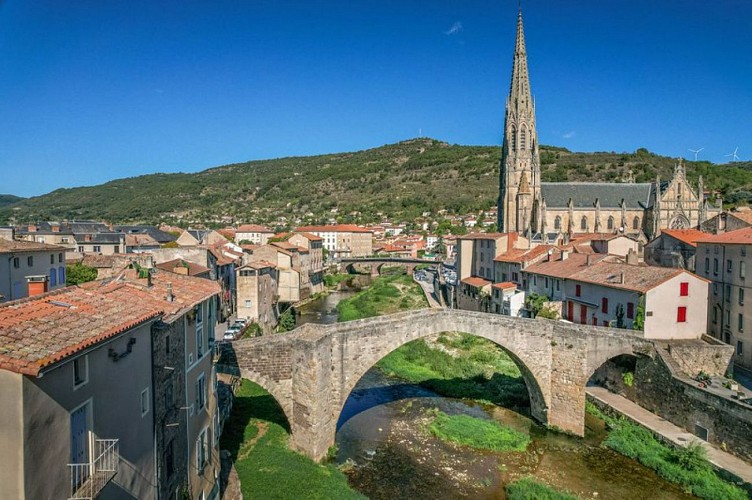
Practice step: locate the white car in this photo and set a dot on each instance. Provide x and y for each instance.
(232, 333)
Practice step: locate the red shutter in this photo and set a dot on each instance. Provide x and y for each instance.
(583, 315)
(604, 305)
(570, 311)
(683, 289)
(630, 310)
(681, 314)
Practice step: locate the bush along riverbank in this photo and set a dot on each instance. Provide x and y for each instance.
(257, 435)
(477, 433)
(386, 295)
(528, 488)
(687, 467)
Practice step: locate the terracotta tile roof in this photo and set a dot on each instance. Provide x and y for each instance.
(476, 281)
(583, 237)
(134, 240)
(193, 269)
(309, 236)
(39, 331)
(688, 236)
(506, 285)
(639, 278)
(260, 264)
(285, 245)
(519, 255)
(558, 268)
(13, 246)
(333, 228)
(253, 228)
(738, 237)
(482, 236)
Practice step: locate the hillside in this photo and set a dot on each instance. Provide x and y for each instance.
(399, 180)
(9, 199)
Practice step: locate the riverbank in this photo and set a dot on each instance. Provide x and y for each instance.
(257, 435)
(387, 294)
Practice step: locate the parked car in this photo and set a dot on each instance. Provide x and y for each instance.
(241, 321)
(232, 332)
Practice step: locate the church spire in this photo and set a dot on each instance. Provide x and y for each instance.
(519, 93)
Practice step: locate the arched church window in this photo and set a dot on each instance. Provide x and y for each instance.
(523, 138)
(513, 139)
(557, 222)
(636, 223)
(610, 223)
(583, 223)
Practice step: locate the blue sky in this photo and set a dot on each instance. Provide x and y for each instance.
(93, 90)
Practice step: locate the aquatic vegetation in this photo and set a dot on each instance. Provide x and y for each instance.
(528, 488)
(478, 433)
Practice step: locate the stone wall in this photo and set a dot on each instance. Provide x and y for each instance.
(710, 356)
(677, 398)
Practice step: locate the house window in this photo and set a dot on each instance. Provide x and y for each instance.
(715, 266)
(683, 289)
(728, 293)
(167, 344)
(199, 342)
(117, 249)
(728, 265)
(739, 348)
(707, 265)
(681, 314)
(604, 305)
(52, 258)
(535, 280)
(740, 322)
(728, 319)
(715, 315)
(557, 285)
(202, 445)
(630, 310)
(97, 248)
(546, 282)
(741, 296)
(577, 290)
(30, 260)
(715, 288)
(81, 248)
(80, 371)
(742, 269)
(247, 302)
(743, 251)
(199, 313)
(144, 401)
(201, 392)
(16, 262)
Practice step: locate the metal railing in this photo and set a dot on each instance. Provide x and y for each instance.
(88, 479)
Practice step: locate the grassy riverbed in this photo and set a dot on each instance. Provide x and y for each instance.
(386, 295)
(687, 467)
(528, 488)
(257, 437)
(477, 433)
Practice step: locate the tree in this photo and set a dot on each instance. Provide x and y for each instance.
(620, 316)
(639, 321)
(286, 321)
(78, 273)
(536, 304)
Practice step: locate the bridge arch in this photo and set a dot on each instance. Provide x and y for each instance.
(281, 392)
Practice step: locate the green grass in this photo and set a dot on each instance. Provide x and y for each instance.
(386, 295)
(478, 433)
(332, 280)
(257, 435)
(479, 369)
(686, 467)
(528, 488)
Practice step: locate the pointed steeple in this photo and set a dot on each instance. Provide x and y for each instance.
(519, 93)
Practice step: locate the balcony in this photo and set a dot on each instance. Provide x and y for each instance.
(88, 479)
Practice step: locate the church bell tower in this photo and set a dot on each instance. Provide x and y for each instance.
(519, 178)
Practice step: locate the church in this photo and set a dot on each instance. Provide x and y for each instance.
(546, 211)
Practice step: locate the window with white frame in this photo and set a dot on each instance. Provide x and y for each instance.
(199, 342)
(80, 371)
(199, 313)
(200, 392)
(144, 401)
(202, 449)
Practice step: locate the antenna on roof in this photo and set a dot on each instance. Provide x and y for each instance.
(735, 158)
(695, 151)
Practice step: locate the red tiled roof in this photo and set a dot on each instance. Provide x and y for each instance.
(506, 285)
(482, 236)
(12, 246)
(688, 236)
(564, 268)
(193, 269)
(519, 255)
(253, 228)
(476, 281)
(738, 237)
(39, 331)
(260, 264)
(639, 278)
(333, 228)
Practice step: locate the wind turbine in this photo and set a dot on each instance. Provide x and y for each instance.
(735, 158)
(695, 151)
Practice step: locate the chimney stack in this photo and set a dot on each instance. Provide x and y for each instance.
(632, 259)
(587, 259)
(170, 296)
(37, 285)
(621, 278)
(564, 254)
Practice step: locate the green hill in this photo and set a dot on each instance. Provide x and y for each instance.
(9, 199)
(399, 180)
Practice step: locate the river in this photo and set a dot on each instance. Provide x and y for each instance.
(387, 453)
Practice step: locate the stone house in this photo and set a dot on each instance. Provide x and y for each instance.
(287, 262)
(724, 259)
(257, 293)
(314, 245)
(674, 248)
(726, 221)
(253, 233)
(29, 268)
(343, 240)
(195, 237)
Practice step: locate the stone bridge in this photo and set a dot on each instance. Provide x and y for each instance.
(376, 263)
(312, 370)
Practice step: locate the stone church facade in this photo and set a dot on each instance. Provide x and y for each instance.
(542, 211)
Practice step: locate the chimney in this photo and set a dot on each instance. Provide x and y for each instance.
(632, 259)
(55, 228)
(565, 254)
(32, 228)
(170, 296)
(37, 285)
(621, 278)
(148, 279)
(587, 259)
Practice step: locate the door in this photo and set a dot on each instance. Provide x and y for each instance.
(570, 311)
(80, 444)
(583, 314)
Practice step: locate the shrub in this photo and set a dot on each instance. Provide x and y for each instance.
(478, 433)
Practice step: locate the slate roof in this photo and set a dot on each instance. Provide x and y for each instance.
(584, 194)
(161, 236)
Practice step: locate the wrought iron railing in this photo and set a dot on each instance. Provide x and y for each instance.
(88, 479)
